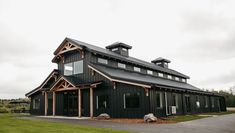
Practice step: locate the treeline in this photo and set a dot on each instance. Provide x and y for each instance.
(229, 98)
(11, 105)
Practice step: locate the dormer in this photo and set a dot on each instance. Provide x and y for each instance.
(162, 62)
(119, 48)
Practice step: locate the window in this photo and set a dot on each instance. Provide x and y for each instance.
(68, 69)
(102, 102)
(183, 80)
(160, 74)
(212, 102)
(36, 103)
(159, 99)
(103, 61)
(158, 63)
(115, 49)
(124, 49)
(175, 100)
(131, 100)
(169, 76)
(78, 67)
(121, 65)
(73, 68)
(197, 102)
(206, 101)
(177, 78)
(137, 69)
(149, 72)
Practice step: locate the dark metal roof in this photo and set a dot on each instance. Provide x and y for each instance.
(118, 44)
(42, 84)
(122, 74)
(160, 59)
(110, 54)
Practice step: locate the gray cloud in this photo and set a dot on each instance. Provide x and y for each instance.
(211, 36)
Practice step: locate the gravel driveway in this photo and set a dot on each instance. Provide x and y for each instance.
(218, 124)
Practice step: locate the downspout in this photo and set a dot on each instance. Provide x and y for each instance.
(166, 104)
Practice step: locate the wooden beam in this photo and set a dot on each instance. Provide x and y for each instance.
(46, 102)
(54, 102)
(91, 102)
(79, 103)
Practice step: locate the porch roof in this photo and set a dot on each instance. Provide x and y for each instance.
(126, 75)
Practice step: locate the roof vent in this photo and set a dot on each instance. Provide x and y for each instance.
(120, 48)
(162, 62)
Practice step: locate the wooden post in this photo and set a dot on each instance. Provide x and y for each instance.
(91, 102)
(54, 102)
(46, 102)
(79, 103)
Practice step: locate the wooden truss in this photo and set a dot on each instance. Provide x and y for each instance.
(69, 47)
(62, 85)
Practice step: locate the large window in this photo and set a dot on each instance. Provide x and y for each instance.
(78, 67)
(159, 99)
(103, 61)
(131, 100)
(121, 65)
(36, 103)
(102, 102)
(68, 69)
(73, 68)
(175, 100)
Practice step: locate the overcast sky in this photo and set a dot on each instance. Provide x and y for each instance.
(198, 36)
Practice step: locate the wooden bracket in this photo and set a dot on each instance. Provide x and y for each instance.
(82, 54)
(146, 91)
(92, 72)
(114, 85)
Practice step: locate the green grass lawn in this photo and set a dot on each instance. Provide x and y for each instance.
(183, 118)
(220, 113)
(10, 124)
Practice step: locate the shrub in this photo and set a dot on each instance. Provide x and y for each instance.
(3, 110)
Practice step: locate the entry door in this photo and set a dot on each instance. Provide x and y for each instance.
(85, 102)
(70, 103)
(187, 104)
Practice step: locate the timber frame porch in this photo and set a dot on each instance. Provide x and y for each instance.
(63, 84)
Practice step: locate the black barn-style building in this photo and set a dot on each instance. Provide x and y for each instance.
(91, 80)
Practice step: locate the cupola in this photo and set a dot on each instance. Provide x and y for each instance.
(162, 62)
(120, 48)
